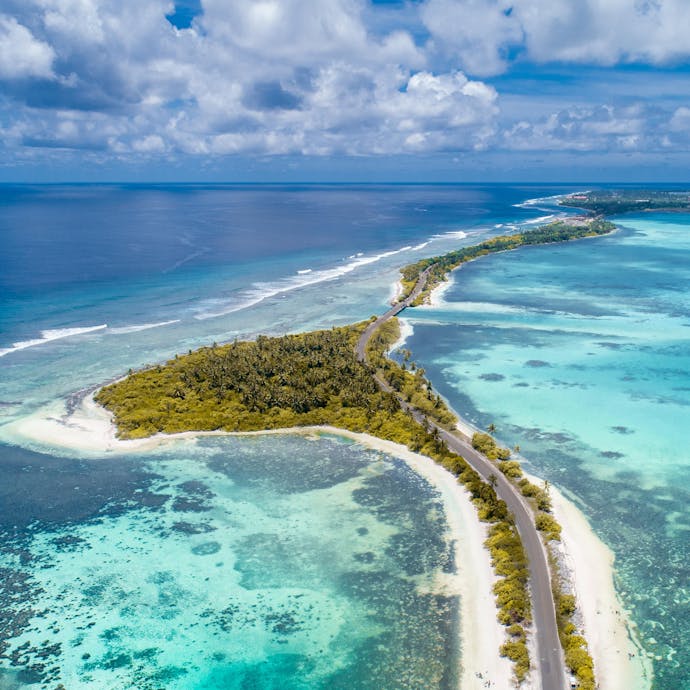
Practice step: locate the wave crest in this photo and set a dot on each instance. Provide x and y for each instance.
(50, 335)
(265, 290)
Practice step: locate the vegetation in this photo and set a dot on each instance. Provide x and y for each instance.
(542, 500)
(516, 651)
(440, 266)
(294, 380)
(406, 379)
(486, 445)
(547, 524)
(577, 656)
(315, 378)
(616, 201)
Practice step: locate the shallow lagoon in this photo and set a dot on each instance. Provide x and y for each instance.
(580, 354)
(227, 563)
(110, 547)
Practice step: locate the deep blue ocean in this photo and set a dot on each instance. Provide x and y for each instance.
(274, 563)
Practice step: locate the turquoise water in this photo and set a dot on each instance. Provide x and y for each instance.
(239, 560)
(98, 279)
(580, 354)
(228, 563)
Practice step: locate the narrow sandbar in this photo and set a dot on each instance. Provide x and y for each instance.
(620, 663)
(436, 295)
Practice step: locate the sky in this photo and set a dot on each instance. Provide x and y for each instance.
(345, 90)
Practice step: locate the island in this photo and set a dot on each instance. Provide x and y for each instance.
(609, 202)
(343, 378)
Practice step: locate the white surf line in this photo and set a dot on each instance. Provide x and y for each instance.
(50, 335)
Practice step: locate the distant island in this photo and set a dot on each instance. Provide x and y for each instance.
(333, 378)
(618, 201)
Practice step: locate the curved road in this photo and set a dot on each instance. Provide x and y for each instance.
(393, 311)
(551, 664)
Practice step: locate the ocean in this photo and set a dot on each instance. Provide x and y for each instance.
(299, 563)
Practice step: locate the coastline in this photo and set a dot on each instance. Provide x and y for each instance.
(92, 421)
(436, 295)
(587, 564)
(90, 428)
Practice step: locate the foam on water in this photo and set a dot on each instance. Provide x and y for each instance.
(142, 327)
(168, 256)
(551, 200)
(50, 335)
(541, 220)
(261, 291)
(451, 235)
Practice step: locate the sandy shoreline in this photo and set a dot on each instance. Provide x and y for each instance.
(587, 564)
(435, 298)
(620, 664)
(90, 429)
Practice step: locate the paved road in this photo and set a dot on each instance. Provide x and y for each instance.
(393, 311)
(551, 664)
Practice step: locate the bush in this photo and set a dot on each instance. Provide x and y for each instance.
(503, 454)
(316, 378)
(527, 488)
(517, 632)
(546, 523)
(518, 654)
(511, 469)
(541, 496)
(543, 501)
(566, 605)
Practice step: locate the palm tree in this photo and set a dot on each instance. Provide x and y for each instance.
(491, 428)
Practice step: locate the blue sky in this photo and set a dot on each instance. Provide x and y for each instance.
(281, 90)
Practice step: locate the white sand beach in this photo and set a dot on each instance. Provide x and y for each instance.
(436, 295)
(90, 429)
(481, 634)
(619, 662)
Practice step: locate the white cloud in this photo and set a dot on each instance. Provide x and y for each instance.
(602, 128)
(21, 53)
(153, 143)
(248, 77)
(450, 106)
(352, 111)
(319, 78)
(606, 33)
(293, 32)
(483, 34)
(77, 21)
(680, 121)
(473, 31)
